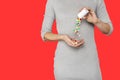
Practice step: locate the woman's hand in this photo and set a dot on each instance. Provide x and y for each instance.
(102, 26)
(72, 42)
(91, 16)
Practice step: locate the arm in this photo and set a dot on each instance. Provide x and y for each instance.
(51, 36)
(104, 24)
(100, 18)
(103, 27)
(49, 17)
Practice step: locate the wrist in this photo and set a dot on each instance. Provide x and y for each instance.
(61, 36)
(96, 21)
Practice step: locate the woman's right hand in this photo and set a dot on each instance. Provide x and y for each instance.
(72, 42)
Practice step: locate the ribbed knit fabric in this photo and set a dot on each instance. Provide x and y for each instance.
(75, 63)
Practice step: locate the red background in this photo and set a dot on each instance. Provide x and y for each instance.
(24, 56)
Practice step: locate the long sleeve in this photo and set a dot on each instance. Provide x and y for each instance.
(103, 14)
(49, 17)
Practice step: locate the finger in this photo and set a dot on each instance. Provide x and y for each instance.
(69, 42)
(92, 13)
(87, 16)
(76, 43)
(73, 39)
(72, 42)
(90, 9)
(81, 42)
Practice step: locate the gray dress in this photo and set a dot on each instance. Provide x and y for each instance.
(75, 63)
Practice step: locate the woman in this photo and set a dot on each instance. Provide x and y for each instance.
(75, 61)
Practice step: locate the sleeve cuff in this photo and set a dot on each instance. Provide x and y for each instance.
(111, 29)
(43, 36)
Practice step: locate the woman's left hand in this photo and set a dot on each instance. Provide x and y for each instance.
(91, 16)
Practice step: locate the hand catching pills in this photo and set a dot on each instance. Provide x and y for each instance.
(73, 42)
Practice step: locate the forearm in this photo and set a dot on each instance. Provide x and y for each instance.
(49, 36)
(103, 27)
